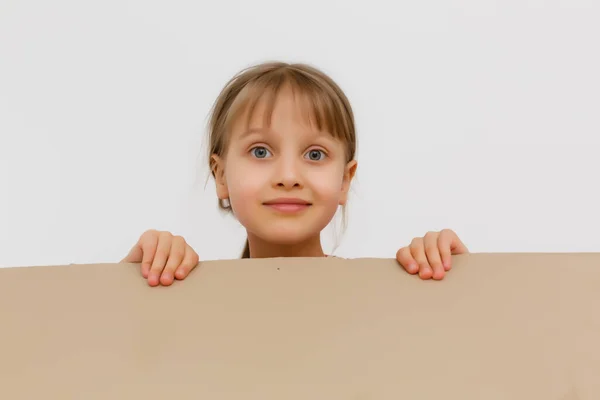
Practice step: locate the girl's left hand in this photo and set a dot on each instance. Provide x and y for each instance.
(431, 255)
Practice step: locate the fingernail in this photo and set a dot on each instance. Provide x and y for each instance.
(413, 267)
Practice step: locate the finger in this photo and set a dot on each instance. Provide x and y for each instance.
(160, 258)
(444, 244)
(176, 255)
(449, 244)
(148, 243)
(190, 261)
(407, 261)
(433, 255)
(417, 250)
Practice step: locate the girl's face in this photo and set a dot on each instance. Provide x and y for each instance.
(284, 182)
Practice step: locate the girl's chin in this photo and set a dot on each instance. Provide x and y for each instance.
(287, 231)
(286, 236)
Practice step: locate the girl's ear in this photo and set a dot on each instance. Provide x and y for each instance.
(217, 167)
(349, 173)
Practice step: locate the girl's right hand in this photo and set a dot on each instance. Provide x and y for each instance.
(164, 257)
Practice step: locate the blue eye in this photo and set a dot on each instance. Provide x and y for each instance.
(260, 152)
(316, 155)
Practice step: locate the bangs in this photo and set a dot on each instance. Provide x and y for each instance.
(320, 104)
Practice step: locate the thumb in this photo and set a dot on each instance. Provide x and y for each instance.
(458, 247)
(135, 255)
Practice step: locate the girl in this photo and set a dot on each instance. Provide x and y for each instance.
(282, 153)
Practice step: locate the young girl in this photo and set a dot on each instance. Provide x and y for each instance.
(282, 153)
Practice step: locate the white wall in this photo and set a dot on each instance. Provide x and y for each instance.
(481, 116)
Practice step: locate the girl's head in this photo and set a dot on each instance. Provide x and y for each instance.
(282, 133)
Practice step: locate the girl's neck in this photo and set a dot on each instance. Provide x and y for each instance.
(261, 249)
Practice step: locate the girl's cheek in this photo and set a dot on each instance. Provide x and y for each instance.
(247, 180)
(327, 179)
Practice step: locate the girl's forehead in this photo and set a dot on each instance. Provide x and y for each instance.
(284, 112)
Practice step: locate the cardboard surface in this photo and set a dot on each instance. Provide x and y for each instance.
(500, 326)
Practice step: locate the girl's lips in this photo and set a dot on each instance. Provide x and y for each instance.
(288, 205)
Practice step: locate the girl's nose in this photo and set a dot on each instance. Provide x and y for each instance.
(288, 174)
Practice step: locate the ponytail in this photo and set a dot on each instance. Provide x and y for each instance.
(246, 252)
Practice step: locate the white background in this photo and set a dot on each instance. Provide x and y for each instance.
(481, 116)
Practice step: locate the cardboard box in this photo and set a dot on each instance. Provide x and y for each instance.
(499, 326)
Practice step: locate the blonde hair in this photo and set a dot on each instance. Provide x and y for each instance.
(327, 105)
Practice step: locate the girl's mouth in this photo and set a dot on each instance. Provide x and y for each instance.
(288, 205)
